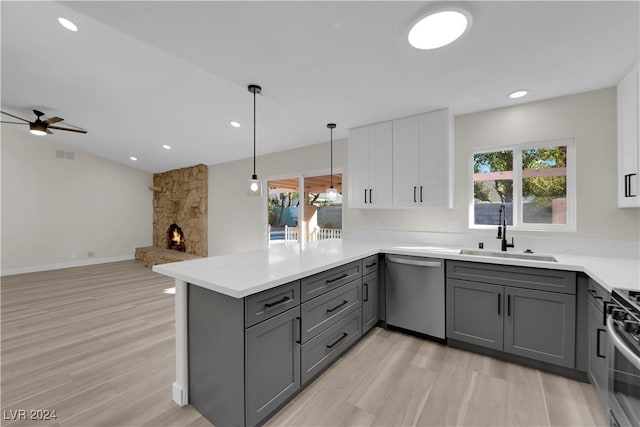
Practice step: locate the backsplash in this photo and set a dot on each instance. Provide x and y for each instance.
(554, 245)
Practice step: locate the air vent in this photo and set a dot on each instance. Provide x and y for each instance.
(69, 155)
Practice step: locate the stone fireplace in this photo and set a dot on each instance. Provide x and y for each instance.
(180, 218)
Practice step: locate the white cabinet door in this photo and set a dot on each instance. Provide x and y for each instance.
(628, 152)
(422, 160)
(358, 158)
(406, 162)
(435, 162)
(380, 166)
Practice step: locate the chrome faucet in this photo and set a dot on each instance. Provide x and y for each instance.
(502, 229)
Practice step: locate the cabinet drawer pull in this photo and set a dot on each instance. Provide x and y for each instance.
(499, 303)
(371, 265)
(366, 292)
(331, 310)
(371, 195)
(333, 344)
(365, 195)
(273, 304)
(414, 193)
(598, 343)
(508, 305)
(421, 194)
(594, 294)
(337, 278)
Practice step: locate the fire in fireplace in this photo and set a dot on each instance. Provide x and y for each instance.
(175, 238)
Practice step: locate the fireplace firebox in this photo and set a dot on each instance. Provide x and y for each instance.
(175, 238)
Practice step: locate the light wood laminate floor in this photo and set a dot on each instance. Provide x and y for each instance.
(96, 344)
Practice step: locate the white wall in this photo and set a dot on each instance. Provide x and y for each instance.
(56, 211)
(236, 222)
(589, 117)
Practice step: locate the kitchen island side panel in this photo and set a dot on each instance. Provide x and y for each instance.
(216, 356)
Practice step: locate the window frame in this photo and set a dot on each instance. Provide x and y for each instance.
(517, 149)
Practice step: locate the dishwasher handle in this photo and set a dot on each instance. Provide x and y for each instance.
(416, 262)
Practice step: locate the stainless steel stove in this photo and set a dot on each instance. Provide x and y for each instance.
(623, 325)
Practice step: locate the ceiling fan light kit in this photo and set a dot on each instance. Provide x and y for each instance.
(38, 126)
(254, 187)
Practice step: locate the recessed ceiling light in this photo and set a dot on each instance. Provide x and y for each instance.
(67, 24)
(518, 94)
(166, 147)
(234, 124)
(439, 28)
(135, 159)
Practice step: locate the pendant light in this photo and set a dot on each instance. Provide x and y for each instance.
(254, 188)
(332, 193)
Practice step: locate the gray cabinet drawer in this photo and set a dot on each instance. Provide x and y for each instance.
(320, 313)
(597, 294)
(323, 349)
(370, 265)
(507, 275)
(320, 283)
(266, 304)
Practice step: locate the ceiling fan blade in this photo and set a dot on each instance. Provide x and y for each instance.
(48, 131)
(15, 117)
(52, 120)
(70, 130)
(15, 123)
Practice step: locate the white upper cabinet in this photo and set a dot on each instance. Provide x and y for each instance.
(628, 131)
(422, 160)
(369, 157)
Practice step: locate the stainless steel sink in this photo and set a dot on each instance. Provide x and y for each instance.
(530, 257)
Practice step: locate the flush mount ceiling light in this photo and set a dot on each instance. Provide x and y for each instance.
(332, 193)
(439, 28)
(254, 189)
(135, 159)
(166, 147)
(67, 24)
(518, 94)
(234, 124)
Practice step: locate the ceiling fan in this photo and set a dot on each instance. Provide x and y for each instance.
(39, 126)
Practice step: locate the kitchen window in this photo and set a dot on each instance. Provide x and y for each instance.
(535, 182)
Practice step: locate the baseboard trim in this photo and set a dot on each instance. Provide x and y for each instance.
(70, 264)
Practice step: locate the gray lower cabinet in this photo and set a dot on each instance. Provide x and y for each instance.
(598, 344)
(540, 325)
(532, 323)
(249, 356)
(272, 364)
(474, 313)
(369, 301)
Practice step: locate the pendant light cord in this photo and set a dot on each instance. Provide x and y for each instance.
(254, 132)
(331, 126)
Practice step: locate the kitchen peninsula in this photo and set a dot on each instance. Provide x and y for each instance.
(221, 288)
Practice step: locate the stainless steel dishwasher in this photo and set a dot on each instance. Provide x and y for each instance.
(415, 294)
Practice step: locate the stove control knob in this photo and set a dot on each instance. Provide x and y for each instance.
(618, 314)
(631, 326)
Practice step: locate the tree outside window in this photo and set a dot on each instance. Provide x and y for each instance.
(533, 182)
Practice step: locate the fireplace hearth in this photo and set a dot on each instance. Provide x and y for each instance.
(175, 238)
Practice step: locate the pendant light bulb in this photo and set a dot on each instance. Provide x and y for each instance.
(332, 192)
(254, 187)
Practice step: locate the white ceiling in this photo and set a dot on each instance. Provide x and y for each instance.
(138, 75)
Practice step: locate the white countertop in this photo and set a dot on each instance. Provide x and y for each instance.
(240, 275)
